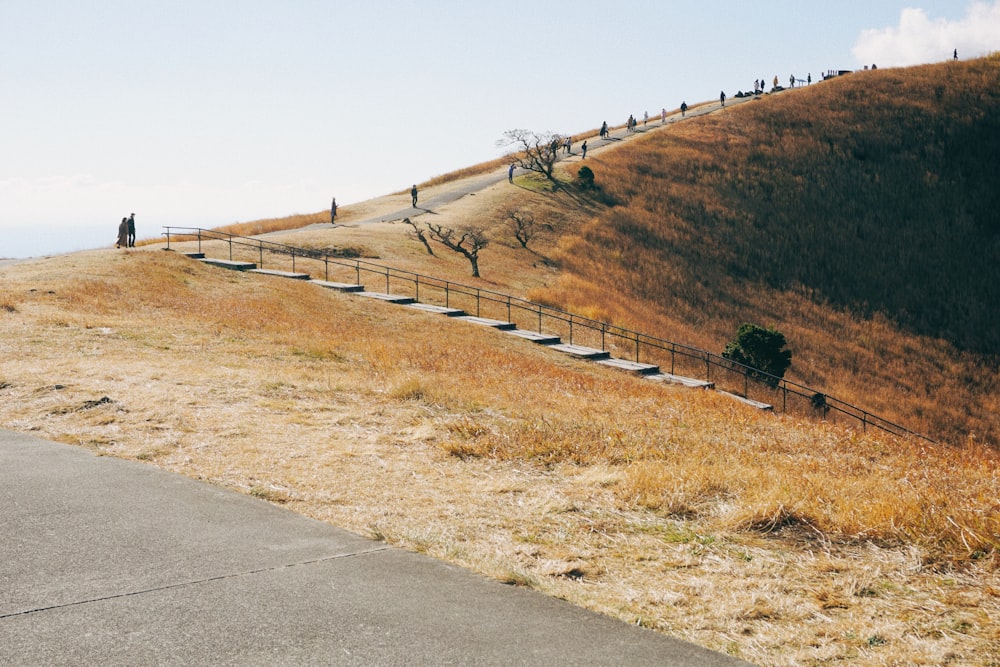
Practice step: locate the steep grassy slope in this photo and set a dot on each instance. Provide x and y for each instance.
(780, 540)
(861, 216)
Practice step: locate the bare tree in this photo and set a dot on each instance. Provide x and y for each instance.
(420, 235)
(522, 224)
(467, 242)
(533, 151)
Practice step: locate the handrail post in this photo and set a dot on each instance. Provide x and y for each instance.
(559, 316)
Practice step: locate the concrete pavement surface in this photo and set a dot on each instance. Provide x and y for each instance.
(112, 562)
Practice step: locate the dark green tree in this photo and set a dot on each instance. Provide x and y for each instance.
(585, 177)
(762, 349)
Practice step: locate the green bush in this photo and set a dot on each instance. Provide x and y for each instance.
(762, 350)
(585, 178)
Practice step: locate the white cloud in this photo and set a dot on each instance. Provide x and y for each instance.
(919, 39)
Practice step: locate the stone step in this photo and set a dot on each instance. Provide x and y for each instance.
(482, 321)
(748, 401)
(281, 274)
(340, 287)
(630, 366)
(440, 310)
(536, 337)
(680, 379)
(229, 264)
(582, 352)
(391, 298)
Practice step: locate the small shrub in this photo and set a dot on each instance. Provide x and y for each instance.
(585, 178)
(761, 349)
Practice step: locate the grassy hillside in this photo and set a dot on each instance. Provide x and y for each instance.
(778, 540)
(861, 216)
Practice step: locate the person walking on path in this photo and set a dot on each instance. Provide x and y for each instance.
(510, 173)
(645, 118)
(955, 55)
(568, 145)
(663, 116)
(604, 130)
(775, 81)
(722, 98)
(413, 195)
(122, 234)
(333, 211)
(131, 231)
(583, 148)
(684, 108)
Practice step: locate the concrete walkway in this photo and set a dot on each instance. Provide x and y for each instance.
(112, 562)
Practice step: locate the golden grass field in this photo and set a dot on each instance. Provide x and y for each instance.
(776, 538)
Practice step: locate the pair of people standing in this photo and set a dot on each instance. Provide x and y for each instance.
(126, 233)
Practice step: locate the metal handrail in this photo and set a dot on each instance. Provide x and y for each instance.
(646, 348)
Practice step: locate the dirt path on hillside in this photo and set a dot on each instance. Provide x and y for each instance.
(395, 207)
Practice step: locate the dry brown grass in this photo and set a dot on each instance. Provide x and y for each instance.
(720, 221)
(780, 541)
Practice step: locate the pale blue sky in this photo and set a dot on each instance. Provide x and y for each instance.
(207, 112)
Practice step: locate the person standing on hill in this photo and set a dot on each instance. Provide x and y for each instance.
(583, 149)
(684, 108)
(333, 211)
(955, 55)
(775, 81)
(663, 115)
(122, 234)
(131, 231)
(510, 173)
(413, 195)
(722, 98)
(604, 130)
